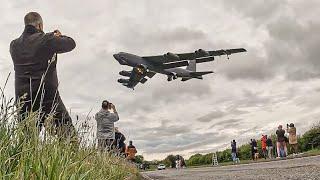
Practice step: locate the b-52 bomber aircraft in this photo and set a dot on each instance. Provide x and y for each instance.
(167, 64)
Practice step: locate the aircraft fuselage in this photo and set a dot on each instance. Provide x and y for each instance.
(134, 61)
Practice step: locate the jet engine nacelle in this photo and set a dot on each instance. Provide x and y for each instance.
(171, 56)
(201, 53)
(125, 73)
(123, 81)
(140, 69)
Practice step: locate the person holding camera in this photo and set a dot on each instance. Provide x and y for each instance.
(106, 118)
(34, 56)
(293, 140)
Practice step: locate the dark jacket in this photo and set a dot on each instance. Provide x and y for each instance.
(233, 147)
(269, 142)
(280, 135)
(120, 138)
(31, 54)
(254, 147)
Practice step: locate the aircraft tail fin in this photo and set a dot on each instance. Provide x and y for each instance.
(192, 65)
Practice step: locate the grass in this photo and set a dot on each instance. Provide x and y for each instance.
(313, 152)
(26, 156)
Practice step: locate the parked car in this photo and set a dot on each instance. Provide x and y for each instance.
(161, 167)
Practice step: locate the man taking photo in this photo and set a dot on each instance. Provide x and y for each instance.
(106, 118)
(34, 56)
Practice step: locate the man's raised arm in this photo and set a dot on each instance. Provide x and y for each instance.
(59, 43)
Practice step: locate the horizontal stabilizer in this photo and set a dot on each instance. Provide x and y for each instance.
(196, 74)
(143, 80)
(150, 74)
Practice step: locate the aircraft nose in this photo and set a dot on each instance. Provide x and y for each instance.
(116, 56)
(120, 59)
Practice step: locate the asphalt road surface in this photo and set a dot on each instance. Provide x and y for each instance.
(298, 168)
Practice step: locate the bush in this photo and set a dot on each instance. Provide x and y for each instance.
(310, 139)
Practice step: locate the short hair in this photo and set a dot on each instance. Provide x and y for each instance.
(33, 19)
(105, 104)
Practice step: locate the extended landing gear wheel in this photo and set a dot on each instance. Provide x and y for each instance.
(175, 77)
(169, 78)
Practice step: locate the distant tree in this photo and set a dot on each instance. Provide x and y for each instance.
(194, 160)
(244, 152)
(310, 139)
(139, 159)
(170, 161)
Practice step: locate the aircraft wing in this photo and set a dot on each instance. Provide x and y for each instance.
(199, 54)
(136, 76)
(226, 51)
(202, 54)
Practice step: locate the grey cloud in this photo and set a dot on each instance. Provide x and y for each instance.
(229, 123)
(249, 67)
(164, 130)
(218, 114)
(185, 142)
(292, 47)
(211, 116)
(259, 11)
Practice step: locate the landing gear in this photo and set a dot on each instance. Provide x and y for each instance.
(175, 77)
(172, 77)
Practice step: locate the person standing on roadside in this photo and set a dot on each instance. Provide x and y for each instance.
(281, 142)
(269, 147)
(264, 146)
(254, 149)
(293, 140)
(234, 151)
(106, 118)
(131, 152)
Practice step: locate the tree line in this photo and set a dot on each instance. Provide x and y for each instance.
(306, 142)
(309, 140)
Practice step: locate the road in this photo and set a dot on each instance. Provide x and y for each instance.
(298, 168)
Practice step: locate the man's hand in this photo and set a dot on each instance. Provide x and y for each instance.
(113, 107)
(57, 33)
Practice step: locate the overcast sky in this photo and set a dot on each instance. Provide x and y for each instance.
(276, 82)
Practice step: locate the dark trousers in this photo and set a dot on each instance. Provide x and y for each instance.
(52, 113)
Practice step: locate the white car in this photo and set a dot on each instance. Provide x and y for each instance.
(161, 166)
